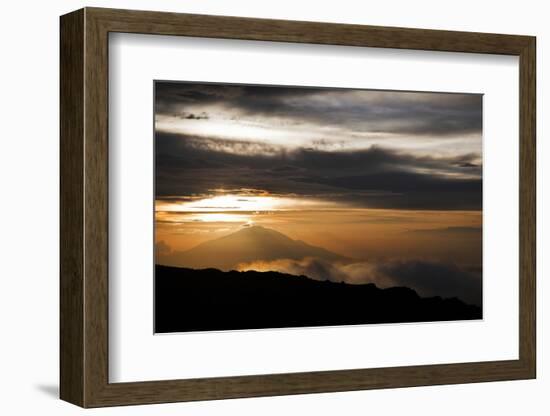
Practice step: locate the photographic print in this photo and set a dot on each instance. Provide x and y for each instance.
(283, 206)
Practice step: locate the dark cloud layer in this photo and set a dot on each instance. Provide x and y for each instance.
(370, 111)
(374, 177)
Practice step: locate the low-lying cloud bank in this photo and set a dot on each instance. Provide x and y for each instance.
(426, 278)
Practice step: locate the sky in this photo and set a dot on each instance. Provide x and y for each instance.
(371, 175)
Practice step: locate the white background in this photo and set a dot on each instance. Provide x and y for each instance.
(29, 213)
(136, 355)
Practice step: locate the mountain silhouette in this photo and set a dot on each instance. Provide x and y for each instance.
(210, 299)
(248, 245)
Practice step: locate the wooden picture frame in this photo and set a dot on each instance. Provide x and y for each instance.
(84, 207)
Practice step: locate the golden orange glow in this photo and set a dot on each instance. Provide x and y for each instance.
(359, 233)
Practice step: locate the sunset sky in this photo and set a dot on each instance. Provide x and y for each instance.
(371, 175)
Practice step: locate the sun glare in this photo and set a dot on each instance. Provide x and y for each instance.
(225, 203)
(235, 203)
(238, 207)
(220, 217)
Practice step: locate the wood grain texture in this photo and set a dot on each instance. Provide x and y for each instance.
(96, 217)
(72, 214)
(527, 207)
(162, 23)
(84, 207)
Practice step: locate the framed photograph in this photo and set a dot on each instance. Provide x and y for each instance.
(260, 207)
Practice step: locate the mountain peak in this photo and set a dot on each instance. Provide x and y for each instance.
(250, 244)
(256, 231)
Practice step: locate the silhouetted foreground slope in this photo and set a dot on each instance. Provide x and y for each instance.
(209, 299)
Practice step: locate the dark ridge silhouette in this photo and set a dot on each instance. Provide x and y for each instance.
(210, 299)
(247, 245)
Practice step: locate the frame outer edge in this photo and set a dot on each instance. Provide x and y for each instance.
(72, 342)
(343, 34)
(528, 101)
(84, 204)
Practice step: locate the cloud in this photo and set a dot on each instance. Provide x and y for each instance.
(374, 177)
(366, 148)
(410, 189)
(313, 268)
(415, 113)
(436, 279)
(426, 278)
(191, 116)
(467, 165)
